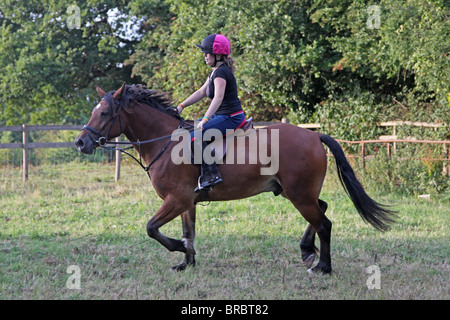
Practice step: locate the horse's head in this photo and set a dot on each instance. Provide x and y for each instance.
(105, 123)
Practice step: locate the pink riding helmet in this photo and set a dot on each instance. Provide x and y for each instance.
(215, 44)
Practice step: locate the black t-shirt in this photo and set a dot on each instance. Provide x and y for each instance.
(230, 102)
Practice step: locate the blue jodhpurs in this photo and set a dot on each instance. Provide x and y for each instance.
(223, 122)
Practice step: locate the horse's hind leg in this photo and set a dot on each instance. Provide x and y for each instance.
(324, 233)
(309, 250)
(188, 220)
(312, 212)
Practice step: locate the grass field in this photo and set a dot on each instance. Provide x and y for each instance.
(76, 214)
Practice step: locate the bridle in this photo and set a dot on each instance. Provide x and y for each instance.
(99, 140)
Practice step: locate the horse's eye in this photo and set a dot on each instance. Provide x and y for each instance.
(104, 113)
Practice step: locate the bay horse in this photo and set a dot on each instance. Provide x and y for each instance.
(144, 115)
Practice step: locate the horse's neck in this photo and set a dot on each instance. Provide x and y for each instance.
(146, 123)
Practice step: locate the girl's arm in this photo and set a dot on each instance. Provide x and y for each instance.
(195, 97)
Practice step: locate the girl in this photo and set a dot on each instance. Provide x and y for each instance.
(225, 111)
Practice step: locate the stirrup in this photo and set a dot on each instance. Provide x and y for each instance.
(199, 187)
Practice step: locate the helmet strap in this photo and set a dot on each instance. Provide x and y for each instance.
(215, 60)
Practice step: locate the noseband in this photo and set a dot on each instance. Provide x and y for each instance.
(96, 136)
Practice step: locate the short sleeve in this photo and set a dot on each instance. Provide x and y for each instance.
(221, 73)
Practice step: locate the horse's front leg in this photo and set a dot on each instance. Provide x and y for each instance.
(188, 219)
(169, 210)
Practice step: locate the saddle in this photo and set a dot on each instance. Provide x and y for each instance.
(247, 125)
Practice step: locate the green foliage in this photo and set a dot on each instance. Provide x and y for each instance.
(314, 60)
(47, 69)
(279, 54)
(412, 177)
(310, 58)
(282, 56)
(403, 63)
(348, 117)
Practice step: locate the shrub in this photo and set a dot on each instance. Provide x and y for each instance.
(413, 176)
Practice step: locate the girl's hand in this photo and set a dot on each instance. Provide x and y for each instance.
(201, 123)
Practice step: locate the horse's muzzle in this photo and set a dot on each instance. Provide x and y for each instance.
(84, 144)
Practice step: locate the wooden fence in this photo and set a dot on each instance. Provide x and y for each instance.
(387, 142)
(26, 145)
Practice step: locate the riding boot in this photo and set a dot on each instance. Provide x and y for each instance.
(210, 174)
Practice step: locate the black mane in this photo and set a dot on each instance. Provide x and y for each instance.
(153, 98)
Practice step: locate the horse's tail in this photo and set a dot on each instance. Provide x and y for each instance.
(371, 211)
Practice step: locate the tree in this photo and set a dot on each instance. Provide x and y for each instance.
(396, 52)
(49, 64)
(282, 57)
(313, 60)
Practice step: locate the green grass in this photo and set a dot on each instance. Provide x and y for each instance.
(76, 214)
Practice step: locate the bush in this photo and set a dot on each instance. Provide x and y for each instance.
(405, 176)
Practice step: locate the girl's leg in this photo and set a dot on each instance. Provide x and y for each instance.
(210, 174)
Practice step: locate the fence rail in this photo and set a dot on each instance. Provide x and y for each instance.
(387, 142)
(26, 145)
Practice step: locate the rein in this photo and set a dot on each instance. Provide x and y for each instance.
(102, 141)
(139, 143)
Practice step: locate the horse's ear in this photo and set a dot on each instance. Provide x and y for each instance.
(118, 94)
(100, 92)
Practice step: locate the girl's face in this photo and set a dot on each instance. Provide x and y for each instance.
(209, 59)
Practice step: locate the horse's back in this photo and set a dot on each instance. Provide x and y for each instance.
(294, 140)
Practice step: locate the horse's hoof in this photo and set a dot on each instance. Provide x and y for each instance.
(180, 267)
(309, 260)
(318, 269)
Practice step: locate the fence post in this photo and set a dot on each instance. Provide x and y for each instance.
(25, 151)
(446, 165)
(363, 154)
(118, 159)
(395, 144)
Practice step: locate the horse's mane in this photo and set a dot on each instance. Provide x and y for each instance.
(153, 98)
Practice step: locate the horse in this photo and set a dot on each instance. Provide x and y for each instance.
(148, 121)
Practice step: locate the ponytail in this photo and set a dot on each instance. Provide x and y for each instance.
(229, 62)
